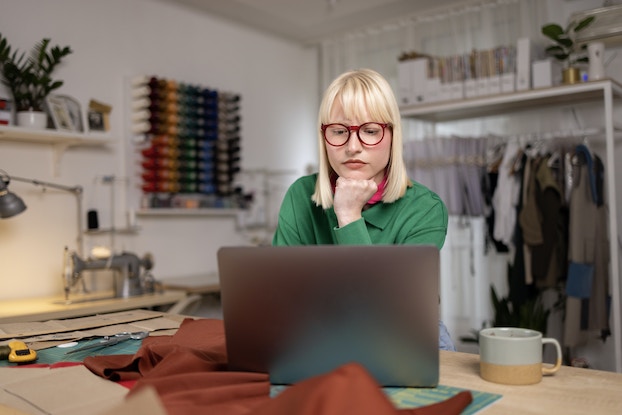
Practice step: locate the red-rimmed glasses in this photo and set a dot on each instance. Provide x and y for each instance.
(369, 134)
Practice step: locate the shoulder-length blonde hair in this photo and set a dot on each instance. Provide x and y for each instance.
(359, 92)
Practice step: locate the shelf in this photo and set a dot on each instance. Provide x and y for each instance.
(105, 231)
(60, 140)
(188, 212)
(602, 94)
(52, 137)
(511, 102)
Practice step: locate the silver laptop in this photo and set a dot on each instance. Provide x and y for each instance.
(299, 311)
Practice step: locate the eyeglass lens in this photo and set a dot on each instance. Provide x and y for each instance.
(370, 133)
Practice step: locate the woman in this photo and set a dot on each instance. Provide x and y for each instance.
(362, 194)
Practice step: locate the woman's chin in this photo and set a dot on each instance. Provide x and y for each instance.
(356, 176)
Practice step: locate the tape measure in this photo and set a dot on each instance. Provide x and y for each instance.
(17, 352)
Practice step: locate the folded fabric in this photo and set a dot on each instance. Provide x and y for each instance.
(189, 372)
(349, 389)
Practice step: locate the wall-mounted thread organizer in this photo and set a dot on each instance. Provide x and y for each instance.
(190, 142)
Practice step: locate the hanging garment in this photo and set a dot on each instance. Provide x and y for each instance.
(471, 169)
(588, 245)
(548, 258)
(506, 196)
(494, 157)
(520, 291)
(529, 215)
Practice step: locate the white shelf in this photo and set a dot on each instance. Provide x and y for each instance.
(59, 140)
(69, 139)
(602, 94)
(512, 102)
(106, 231)
(188, 212)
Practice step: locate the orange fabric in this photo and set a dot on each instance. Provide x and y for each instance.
(349, 390)
(188, 370)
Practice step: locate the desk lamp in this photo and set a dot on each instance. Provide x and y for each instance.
(11, 204)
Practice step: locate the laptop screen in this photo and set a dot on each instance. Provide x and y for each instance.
(299, 311)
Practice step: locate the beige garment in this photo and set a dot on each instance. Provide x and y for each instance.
(528, 217)
(549, 259)
(588, 244)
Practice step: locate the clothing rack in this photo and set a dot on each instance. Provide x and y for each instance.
(443, 158)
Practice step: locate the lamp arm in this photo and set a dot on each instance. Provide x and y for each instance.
(71, 189)
(76, 190)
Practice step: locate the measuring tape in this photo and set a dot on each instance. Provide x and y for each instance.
(17, 352)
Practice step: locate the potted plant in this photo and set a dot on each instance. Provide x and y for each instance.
(566, 49)
(29, 77)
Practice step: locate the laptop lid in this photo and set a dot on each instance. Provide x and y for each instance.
(299, 311)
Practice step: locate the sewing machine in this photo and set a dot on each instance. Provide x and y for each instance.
(128, 279)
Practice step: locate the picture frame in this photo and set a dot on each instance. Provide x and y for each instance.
(75, 112)
(96, 120)
(98, 116)
(59, 112)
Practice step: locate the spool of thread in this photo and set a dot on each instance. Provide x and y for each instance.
(92, 219)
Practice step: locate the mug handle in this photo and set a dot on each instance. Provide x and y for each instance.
(549, 370)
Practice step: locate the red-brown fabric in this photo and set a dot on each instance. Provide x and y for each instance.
(349, 390)
(188, 370)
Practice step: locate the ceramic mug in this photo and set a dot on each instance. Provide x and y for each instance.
(513, 356)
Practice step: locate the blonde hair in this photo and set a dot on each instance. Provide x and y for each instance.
(361, 92)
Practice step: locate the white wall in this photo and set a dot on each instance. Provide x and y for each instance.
(117, 39)
(112, 41)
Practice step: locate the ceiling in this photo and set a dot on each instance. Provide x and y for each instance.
(307, 21)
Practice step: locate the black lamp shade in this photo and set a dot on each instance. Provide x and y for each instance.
(10, 204)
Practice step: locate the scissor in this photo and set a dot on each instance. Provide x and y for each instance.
(112, 340)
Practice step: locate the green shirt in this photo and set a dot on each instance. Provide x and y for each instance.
(419, 217)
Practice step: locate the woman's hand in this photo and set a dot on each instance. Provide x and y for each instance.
(350, 198)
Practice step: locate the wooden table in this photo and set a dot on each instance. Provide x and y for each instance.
(48, 308)
(570, 391)
(195, 287)
(193, 284)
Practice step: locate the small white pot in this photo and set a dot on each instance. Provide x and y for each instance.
(37, 120)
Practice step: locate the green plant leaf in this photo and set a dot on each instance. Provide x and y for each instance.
(29, 78)
(553, 31)
(583, 24)
(531, 314)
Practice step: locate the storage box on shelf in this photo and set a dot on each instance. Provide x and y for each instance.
(425, 79)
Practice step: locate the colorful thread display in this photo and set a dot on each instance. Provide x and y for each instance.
(192, 143)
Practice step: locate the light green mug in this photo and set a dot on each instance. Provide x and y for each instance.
(513, 356)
